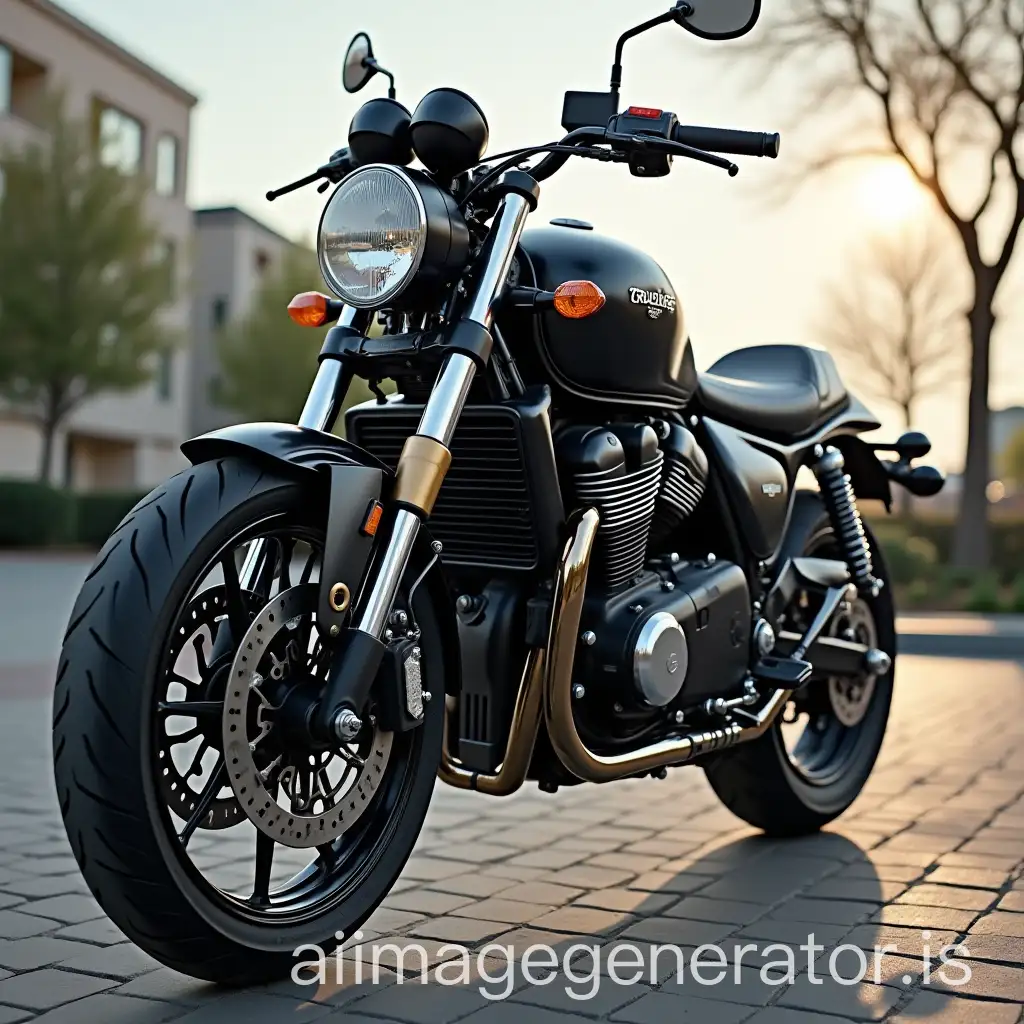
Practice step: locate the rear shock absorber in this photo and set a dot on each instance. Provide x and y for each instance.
(837, 493)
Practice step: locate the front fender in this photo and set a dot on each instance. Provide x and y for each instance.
(325, 459)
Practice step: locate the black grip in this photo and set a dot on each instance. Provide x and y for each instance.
(727, 140)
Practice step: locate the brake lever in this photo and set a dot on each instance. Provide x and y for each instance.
(334, 170)
(640, 141)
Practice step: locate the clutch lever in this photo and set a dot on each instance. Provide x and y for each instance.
(334, 170)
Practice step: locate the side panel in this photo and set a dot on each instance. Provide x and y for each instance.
(757, 484)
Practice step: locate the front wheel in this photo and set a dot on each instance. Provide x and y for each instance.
(165, 730)
(814, 760)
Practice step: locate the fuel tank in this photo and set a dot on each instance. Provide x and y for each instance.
(634, 351)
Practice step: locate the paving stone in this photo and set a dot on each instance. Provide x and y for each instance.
(1000, 948)
(578, 993)
(676, 931)
(540, 892)
(469, 885)
(47, 988)
(634, 863)
(419, 1004)
(844, 912)
(425, 901)
(934, 1008)
(587, 876)
(105, 1008)
(671, 882)
(169, 986)
(669, 1008)
(16, 925)
(40, 951)
(477, 853)
(627, 900)
(778, 1015)
(253, 1007)
(510, 911)
(385, 921)
(100, 932)
(864, 890)
(860, 1002)
(793, 933)
(721, 980)
(1013, 902)
(9, 1015)
(582, 920)
(905, 941)
(47, 885)
(929, 895)
(976, 878)
(909, 916)
(699, 908)
(548, 858)
(468, 931)
(989, 981)
(429, 869)
(999, 923)
(122, 962)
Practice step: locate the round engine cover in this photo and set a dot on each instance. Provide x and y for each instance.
(660, 659)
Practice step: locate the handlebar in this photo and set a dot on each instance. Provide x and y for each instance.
(727, 140)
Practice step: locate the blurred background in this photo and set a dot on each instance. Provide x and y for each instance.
(144, 278)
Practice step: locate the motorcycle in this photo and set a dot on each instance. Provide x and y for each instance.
(555, 553)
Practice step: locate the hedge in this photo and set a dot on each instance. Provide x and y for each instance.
(36, 515)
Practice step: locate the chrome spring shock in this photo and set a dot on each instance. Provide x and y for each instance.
(837, 493)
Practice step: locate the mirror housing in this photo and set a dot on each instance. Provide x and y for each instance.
(358, 66)
(717, 19)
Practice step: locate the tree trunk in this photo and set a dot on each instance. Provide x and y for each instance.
(903, 498)
(971, 543)
(48, 428)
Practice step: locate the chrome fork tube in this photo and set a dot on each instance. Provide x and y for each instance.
(319, 413)
(446, 402)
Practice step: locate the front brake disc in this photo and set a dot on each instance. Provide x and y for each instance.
(326, 791)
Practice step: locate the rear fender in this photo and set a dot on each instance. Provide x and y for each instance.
(351, 479)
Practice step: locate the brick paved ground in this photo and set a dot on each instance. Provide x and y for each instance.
(935, 844)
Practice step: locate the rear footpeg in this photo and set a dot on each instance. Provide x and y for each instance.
(787, 673)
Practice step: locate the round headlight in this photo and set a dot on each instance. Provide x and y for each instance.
(385, 228)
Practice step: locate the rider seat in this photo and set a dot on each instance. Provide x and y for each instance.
(787, 391)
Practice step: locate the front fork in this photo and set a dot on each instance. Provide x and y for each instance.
(421, 469)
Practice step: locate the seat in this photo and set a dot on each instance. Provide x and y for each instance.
(783, 390)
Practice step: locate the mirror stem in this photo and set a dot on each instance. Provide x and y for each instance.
(653, 23)
(370, 62)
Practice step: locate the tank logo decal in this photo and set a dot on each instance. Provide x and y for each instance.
(772, 490)
(656, 301)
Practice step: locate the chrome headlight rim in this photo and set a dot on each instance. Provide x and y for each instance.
(423, 226)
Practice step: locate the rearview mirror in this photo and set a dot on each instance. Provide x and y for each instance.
(718, 19)
(359, 66)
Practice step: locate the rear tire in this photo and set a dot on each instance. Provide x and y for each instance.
(120, 829)
(758, 781)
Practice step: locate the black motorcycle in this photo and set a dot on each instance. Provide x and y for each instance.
(555, 552)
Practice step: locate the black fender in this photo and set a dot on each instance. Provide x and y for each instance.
(324, 461)
(867, 473)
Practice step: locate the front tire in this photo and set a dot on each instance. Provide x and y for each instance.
(114, 804)
(762, 781)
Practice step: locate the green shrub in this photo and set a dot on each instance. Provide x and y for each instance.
(100, 512)
(920, 594)
(984, 595)
(910, 558)
(33, 514)
(1017, 600)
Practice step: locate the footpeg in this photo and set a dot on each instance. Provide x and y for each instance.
(788, 673)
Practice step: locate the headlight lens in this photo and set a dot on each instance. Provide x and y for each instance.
(372, 236)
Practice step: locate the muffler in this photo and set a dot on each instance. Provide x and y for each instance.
(571, 750)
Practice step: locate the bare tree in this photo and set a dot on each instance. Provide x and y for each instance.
(943, 82)
(894, 319)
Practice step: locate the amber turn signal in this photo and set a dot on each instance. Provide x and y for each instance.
(577, 299)
(308, 309)
(372, 520)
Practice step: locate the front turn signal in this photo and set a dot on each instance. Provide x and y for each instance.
(577, 299)
(309, 309)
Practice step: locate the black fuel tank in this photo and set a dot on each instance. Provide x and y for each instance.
(634, 350)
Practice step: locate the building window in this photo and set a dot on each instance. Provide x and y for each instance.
(119, 140)
(167, 257)
(6, 70)
(219, 314)
(166, 181)
(164, 378)
(261, 261)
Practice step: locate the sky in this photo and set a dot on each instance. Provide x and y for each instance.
(747, 269)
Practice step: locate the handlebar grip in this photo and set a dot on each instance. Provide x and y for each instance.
(727, 140)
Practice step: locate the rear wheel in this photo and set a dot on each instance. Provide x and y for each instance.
(208, 825)
(813, 762)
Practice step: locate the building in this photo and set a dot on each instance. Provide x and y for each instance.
(116, 441)
(233, 253)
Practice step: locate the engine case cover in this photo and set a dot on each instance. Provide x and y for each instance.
(634, 350)
(711, 603)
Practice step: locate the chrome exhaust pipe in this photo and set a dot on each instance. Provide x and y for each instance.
(558, 712)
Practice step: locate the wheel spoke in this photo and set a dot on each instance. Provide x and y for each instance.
(191, 708)
(287, 554)
(199, 646)
(264, 862)
(206, 798)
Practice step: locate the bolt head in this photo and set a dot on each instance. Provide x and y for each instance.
(712, 558)
(694, 421)
(335, 630)
(427, 696)
(680, 717)
(579, 691)
(436, 547)
(674, 557)
(667, 585)
(589, 638)
(464, 603)
(617, 708)
(819, 450)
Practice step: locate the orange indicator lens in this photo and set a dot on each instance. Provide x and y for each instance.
(577, 299)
